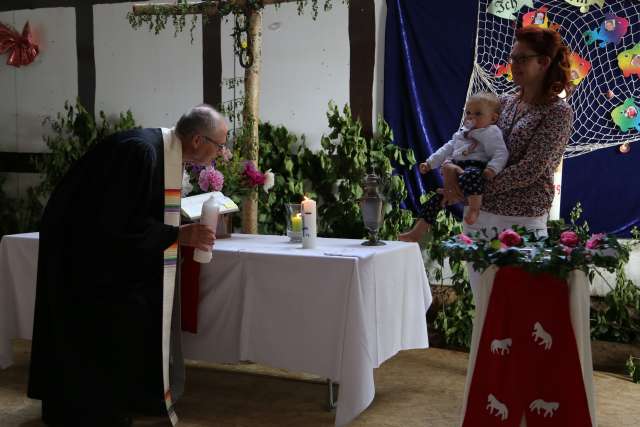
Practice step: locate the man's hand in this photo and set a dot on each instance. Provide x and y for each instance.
(196, 235)
(424, 167)
(488, 173)
(452, 193)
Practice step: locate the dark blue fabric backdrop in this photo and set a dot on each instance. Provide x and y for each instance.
(428, 63)
(607, 185)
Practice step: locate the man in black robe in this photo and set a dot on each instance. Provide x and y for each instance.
(96, 358)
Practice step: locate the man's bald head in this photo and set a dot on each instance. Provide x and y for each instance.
(200, 120)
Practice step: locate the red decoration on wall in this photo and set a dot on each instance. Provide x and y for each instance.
(21, 48)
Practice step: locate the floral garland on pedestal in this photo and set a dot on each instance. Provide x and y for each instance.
(568, 247)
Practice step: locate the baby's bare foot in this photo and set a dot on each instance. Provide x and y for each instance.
(409, 236)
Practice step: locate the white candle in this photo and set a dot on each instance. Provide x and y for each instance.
(309, 227)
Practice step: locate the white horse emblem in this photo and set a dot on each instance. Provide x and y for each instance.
(547, 407)
(501, 346)
(501, 408)
(544, 336)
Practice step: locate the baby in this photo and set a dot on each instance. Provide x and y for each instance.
(480, 152)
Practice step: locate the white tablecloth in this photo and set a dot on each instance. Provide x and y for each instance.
(337, 311)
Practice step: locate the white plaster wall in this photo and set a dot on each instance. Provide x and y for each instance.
(305, 64)
(31, 93)
(157, 77)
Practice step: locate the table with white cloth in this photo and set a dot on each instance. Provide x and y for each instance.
(337, 311)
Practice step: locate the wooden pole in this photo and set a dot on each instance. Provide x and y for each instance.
(250, 116)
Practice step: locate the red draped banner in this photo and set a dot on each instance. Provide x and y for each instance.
(527, 360)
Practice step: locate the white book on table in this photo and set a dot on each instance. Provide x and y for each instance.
(191, 207)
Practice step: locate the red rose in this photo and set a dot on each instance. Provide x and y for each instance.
(569, 238)
(510, 238)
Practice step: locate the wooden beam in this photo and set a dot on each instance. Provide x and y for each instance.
(205, 8)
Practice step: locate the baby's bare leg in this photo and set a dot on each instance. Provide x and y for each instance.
(475, 201)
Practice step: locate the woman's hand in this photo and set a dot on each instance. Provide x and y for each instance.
(452, 193)
(196, 235)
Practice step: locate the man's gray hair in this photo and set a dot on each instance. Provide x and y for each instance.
(199, 120)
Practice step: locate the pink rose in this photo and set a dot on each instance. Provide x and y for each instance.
(569, 238)
(595, 241)
(510, 238)
(465, 239)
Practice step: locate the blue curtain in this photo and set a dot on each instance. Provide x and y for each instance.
(607, 185)
(428, 61)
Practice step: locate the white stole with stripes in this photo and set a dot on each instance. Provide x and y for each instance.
(172, 193)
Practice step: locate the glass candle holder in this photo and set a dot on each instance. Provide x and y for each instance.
(294, 222)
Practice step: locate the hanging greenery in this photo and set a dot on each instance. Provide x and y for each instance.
(157, 16)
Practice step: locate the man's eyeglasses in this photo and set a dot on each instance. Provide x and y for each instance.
(521, 59)
(217, 144)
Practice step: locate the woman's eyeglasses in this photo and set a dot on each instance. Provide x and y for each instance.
(521, 59)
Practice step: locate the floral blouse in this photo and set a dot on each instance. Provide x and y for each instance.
(536, 138)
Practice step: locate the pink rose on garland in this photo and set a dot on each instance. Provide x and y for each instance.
(210, 179)
(567, 250)
(465, 239)
(510, 238)
(253, 176)
(569, 238)
(595, 241)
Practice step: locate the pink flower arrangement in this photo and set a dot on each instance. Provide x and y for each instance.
(211, 179)
(465, 239)
(252, 175)
(595, 241)
(569, 238)
(510, 238)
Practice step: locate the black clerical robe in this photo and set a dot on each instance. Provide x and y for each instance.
(97, 327)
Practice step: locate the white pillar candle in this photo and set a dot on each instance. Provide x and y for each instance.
(309, 225)
(209, 216)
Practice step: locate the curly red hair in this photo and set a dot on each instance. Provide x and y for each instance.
(549, 43)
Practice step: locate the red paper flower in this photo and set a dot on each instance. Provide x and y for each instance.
(21, 48)
(510, 238)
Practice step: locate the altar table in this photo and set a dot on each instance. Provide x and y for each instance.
(337, 311)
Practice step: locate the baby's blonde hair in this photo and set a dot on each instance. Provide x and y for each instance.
(488, 99)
